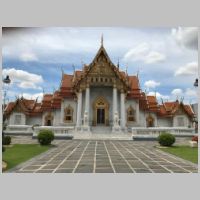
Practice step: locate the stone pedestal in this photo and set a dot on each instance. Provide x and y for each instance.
(85, 127)
(116, 128)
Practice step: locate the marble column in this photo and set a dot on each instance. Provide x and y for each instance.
(137, 112)
(116, 128)
(122, 98)
(79, 108)
(87, 103)
(114, 101)
(62, 112)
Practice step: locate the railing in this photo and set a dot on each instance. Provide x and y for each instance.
(18, 129)
(54, 129)
(158, 130)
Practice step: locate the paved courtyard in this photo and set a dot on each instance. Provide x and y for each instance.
(98, 156)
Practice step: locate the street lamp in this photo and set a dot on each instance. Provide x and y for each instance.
(5, 81)
(196, 82)
(196, 115)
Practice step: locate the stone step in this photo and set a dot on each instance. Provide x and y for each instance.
(96, 136)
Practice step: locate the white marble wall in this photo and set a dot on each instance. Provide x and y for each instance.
(11, 120)
(186, 120)
(165, 122)
(33, 120)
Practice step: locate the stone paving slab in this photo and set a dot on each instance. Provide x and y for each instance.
(90, 156)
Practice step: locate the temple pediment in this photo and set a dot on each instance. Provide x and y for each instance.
(102, 72)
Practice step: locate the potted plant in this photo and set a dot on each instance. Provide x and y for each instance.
(194, 141)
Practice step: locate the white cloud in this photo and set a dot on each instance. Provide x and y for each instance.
(154, 57)
(23, 79)
(158, 95)
(190, 92)
(137, 53)
(187, 37)
(177, 92)
(188, 69)
(187, 94)
(151, 84)
(143, 52)
(26, 56)
(38, 96)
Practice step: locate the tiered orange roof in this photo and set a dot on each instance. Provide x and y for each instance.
(28, 107)
(135, 91)
(153, 104)
(168, 109)
(143, 102)
(56, 100)
(66, 86)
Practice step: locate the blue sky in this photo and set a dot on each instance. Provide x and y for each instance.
(166, 58)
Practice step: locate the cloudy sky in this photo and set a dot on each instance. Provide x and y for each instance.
(165, 58)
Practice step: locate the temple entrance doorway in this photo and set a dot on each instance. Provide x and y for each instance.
(100, 116)
(100, 112)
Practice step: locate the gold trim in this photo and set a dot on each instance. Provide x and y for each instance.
(100, 102)
(150, 121)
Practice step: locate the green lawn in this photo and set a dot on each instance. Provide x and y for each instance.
(185, 152)
(19, 153)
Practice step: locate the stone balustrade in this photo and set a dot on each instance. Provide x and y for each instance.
(60, 132)
(54, 129)
(19, 130)
(155, 131)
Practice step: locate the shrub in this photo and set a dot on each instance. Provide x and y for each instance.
(195, 138)
(45, 137)
(166, 139)
(6, 140)
(3, 148)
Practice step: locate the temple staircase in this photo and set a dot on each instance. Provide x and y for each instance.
(103, 133)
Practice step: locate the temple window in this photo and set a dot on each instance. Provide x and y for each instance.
(96, 79)
(18, 119)
(68, 114)
(180, 121)
(101, 79)
(105, 79)
(130, 114)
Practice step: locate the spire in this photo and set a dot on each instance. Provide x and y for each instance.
(102, 39)
(43, 91)
(126, 69)
(118, 63)
(138, 71)
(73, 67)
(62, 71)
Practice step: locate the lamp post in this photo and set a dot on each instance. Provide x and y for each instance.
(196, 82)
(196, 119)
(6, 81)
